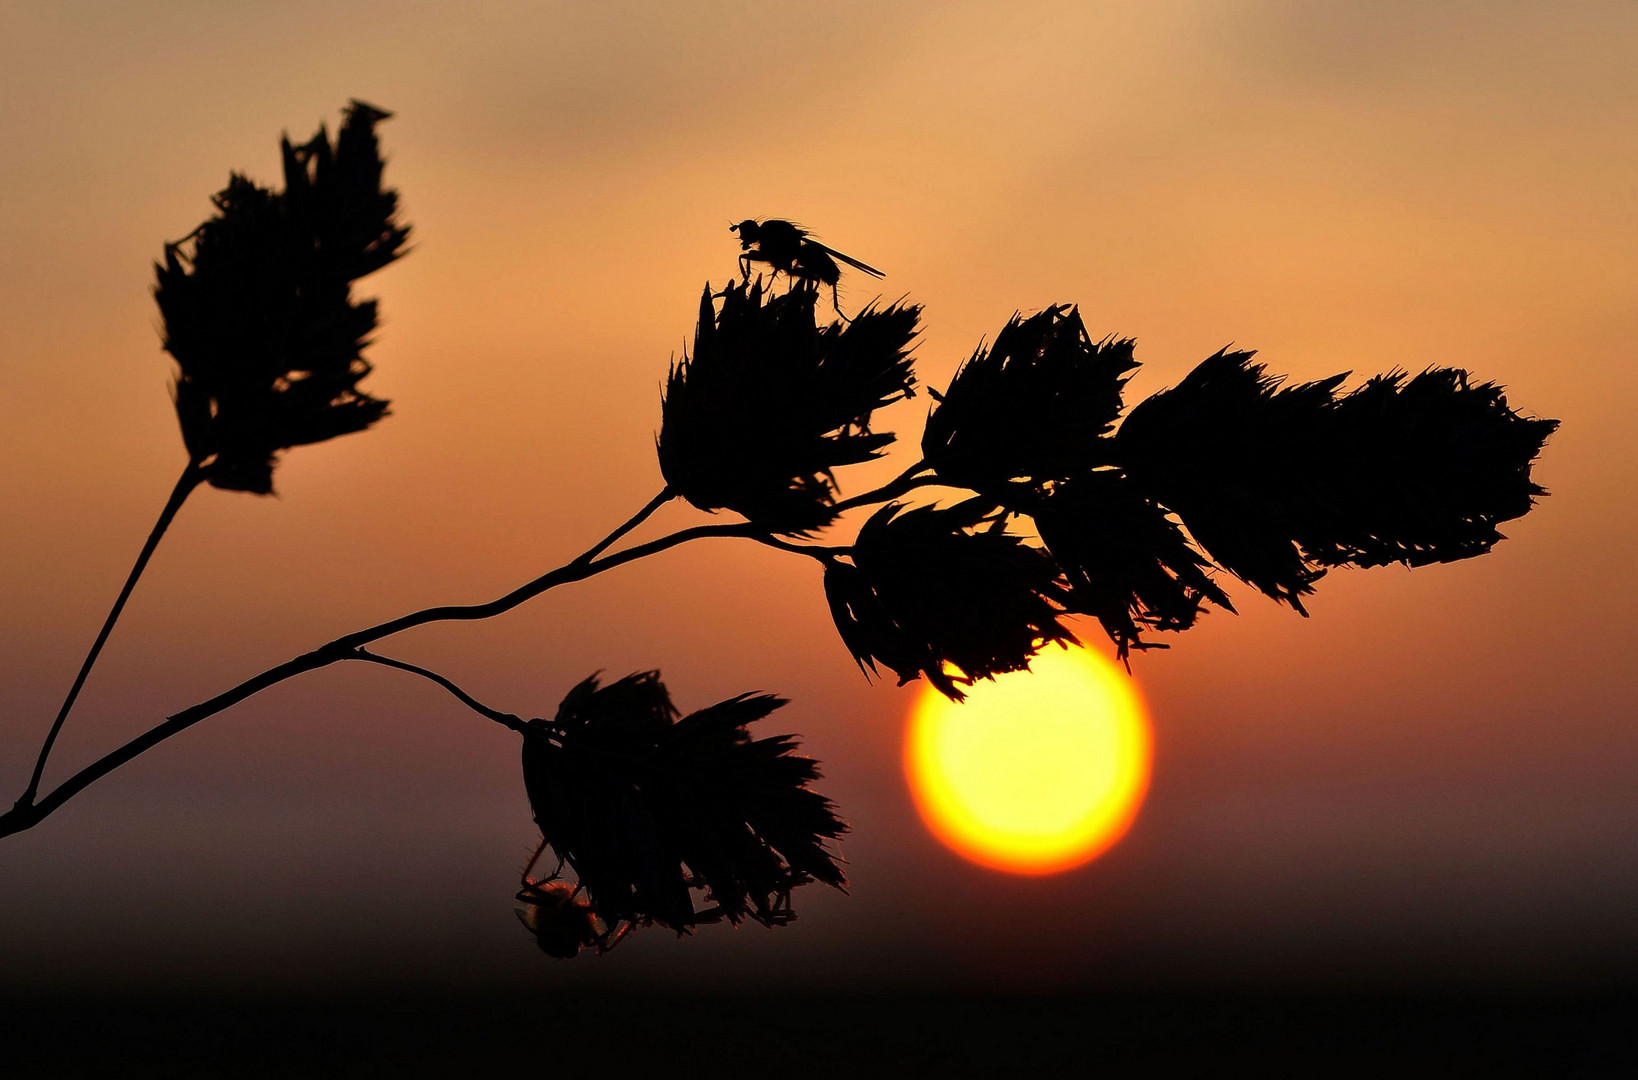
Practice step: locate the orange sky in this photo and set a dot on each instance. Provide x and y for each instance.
(1429, 779)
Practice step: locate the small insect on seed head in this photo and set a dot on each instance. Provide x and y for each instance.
(561, 922)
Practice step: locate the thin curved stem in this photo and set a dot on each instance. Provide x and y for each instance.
(190, 479)
(812, 551)
(24, 816)
(907, 481)
(665, 496)
(505, 719)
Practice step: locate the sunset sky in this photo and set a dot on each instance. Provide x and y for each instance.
(1430, 781)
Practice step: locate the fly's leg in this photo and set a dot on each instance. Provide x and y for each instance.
(532, 885)
(530, 865)
(836, 303)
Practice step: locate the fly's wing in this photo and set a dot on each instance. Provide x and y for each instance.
(850, 260)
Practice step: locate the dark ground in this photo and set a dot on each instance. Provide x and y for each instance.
(1312, 1034)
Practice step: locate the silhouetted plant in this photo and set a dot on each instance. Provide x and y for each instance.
(645, 807)
(770, 404)
(1278, 484)
(259, 311)
(259, 316)
(1229, 470)
(930, 593)
(1032, 408)
(1128, 563)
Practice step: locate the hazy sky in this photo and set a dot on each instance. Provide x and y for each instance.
(1431, 779)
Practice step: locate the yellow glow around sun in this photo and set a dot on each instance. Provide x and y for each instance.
(1036, 772)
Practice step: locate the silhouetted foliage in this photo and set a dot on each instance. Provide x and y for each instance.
(1278, 483)
(258, 311)
(928, 593)
(769, 404)
(1128, 564)
(1031, 407)
(645, 807)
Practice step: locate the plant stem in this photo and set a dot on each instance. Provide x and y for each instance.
(665, 496)
(27, 815)
(505, 719)
(29, 812)
(812, 551)
(190, 479)
(905, 482)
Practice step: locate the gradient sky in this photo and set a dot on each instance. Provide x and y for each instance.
(1431, 780)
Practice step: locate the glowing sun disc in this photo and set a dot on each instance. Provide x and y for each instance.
(1038, 771)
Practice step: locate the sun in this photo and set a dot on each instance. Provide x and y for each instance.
(1036, 772)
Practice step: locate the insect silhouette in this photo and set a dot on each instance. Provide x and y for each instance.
(560, 919)
(790, 249)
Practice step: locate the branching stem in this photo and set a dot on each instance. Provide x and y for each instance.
(190, 479)
(665, 496)
(30, 810)
(916, 476)
(27, 815)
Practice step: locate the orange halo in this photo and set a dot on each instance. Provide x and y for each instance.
(1037, 772)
